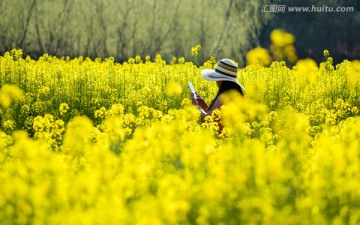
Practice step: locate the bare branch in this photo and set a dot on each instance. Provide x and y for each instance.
(224, 33)
(27, 22)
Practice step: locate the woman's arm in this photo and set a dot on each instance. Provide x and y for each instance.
(217, 104)
(203, 107)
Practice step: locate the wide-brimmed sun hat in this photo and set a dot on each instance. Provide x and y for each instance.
(226, 70)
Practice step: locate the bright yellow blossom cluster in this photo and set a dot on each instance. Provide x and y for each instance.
(259, 56)
(282, 45)
(98, 142)
(281, 49)
(9, 93)
(195, 50)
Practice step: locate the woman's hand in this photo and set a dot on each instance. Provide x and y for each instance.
(193, 99)
(199, 101)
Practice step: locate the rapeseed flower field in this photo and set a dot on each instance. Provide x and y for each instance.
(98, 142)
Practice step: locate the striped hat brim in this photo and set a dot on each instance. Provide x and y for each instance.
(212, 75)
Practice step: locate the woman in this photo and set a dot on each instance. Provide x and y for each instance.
(225, 77)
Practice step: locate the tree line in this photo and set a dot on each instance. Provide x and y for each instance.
(126, 28)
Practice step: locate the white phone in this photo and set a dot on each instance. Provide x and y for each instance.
(192, 89)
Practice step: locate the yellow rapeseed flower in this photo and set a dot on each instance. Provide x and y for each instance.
(281, 38)
(195, 50)
(8, 94)
(356, 65)
(292, 142)
(173, 89)
(63, 108)
(259, 56)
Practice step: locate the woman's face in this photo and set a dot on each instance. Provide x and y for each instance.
(218, 83)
